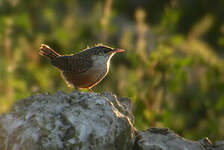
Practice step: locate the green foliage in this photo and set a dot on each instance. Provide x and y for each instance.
(172, 69)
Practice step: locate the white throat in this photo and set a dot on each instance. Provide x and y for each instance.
(108, 60)
(102, 62)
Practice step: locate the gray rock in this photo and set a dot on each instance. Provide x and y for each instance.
(219, 145)
(85, 121)
(164, 139)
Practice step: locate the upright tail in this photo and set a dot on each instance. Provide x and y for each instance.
(47, 52)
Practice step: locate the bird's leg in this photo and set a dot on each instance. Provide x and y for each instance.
(76, 88)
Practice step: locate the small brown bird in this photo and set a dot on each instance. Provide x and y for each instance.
(84, 69)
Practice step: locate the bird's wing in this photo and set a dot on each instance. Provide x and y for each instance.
(74, 63)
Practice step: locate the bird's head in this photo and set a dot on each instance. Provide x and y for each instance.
(102, 54)
(106, 51)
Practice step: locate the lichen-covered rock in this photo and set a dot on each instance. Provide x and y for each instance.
(165, 139)
(219, 145)
(75, 121)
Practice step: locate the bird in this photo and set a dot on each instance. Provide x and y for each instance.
(82, 70)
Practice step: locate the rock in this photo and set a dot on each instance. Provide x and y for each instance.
(164, 139)
(85, 121)
(219, 145)
(75, 121)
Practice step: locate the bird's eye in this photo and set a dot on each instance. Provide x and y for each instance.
(107, 50)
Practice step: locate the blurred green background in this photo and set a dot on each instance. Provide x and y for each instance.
(173, 67)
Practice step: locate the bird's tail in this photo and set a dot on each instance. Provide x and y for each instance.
(47, 52)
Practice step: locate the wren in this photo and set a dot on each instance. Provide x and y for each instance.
(82, 70)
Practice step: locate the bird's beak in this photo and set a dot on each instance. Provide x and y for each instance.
(119, 50)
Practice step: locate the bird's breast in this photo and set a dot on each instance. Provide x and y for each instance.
(92, 76)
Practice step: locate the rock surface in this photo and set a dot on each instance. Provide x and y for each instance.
(79, 121)
(85, 121)
(219, 145)
(164, 139)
